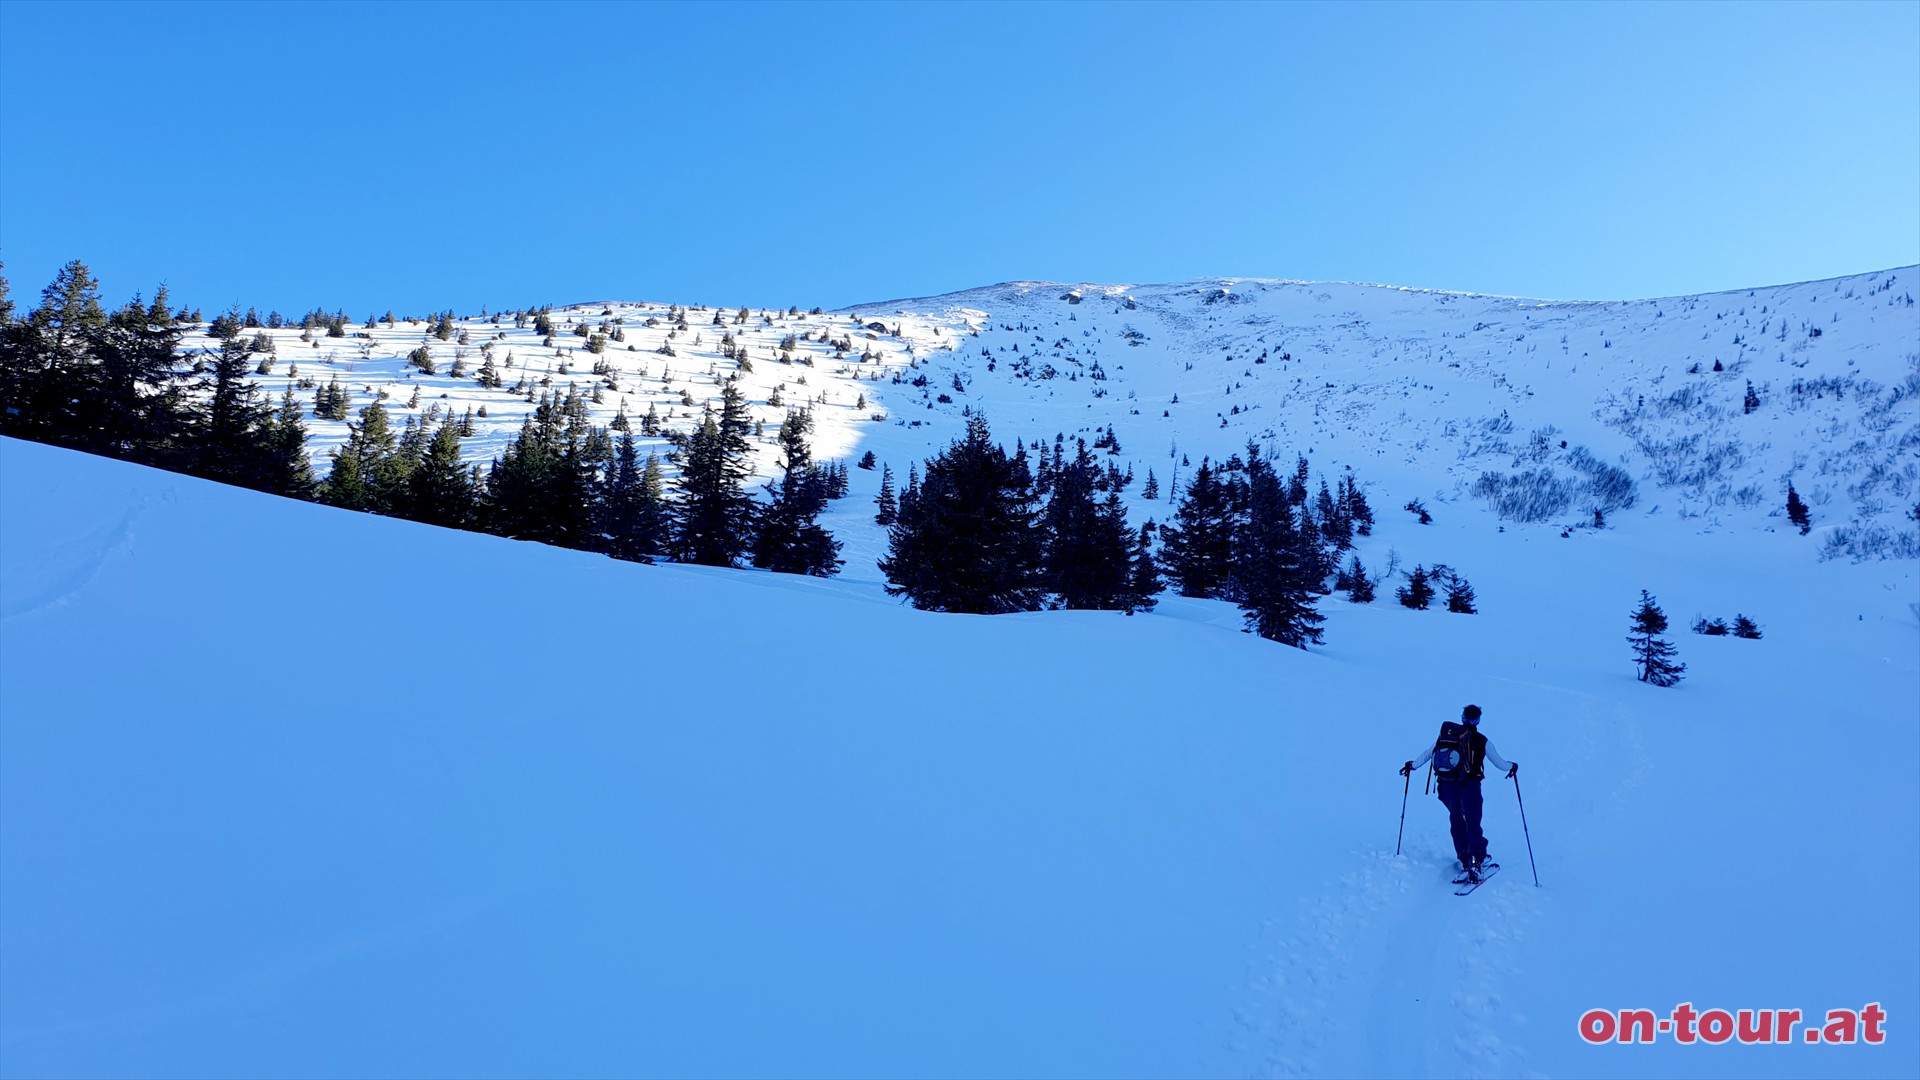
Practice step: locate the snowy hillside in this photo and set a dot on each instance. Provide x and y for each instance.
(1422, 394)
(288, 790)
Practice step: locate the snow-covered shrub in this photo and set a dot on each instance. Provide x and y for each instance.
(1528, 496)
(1861, 541)
(1608, 487)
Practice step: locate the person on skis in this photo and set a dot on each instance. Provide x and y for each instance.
(1459, 758)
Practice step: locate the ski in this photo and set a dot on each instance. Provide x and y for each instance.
(1466, 886)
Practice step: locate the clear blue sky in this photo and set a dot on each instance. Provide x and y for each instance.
(374, 156)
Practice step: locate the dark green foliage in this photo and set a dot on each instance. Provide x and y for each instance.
(1274, 560)
(633, 506)
(867, 459)
(1353, 507)
(1797, 511)
(1752, 400)
(1143, 578)
(226, 325)
(1417, 593)
(1358, 586)
(790, 539)
(366, 469)
(538, 488)
(1197, 549)
(1459, 595)
(1744, 627)
(45, 369)
(886, 503)
(1087, 547)
(713, 519)
(1710, 627)
(133, 402)
(967, 539)
(289, 471)
(438, 489)
(332, 401)
(235, 437)
(1652, 656)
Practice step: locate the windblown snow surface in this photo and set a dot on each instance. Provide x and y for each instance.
(290, 791)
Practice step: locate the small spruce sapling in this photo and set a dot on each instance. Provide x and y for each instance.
(1417, 593)
(1797, 510)
(1653, 656)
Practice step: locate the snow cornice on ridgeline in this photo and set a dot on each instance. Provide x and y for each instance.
(1021, 287)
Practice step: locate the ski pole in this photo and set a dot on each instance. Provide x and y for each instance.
(1405, 788)
(1524, 830)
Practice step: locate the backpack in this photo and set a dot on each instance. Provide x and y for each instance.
(1457, 752)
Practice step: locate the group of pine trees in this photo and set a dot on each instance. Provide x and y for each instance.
(118, 383)
(982, 531)
(115, 382)
(1242, 532)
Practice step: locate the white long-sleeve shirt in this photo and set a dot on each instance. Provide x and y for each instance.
(1493, 757)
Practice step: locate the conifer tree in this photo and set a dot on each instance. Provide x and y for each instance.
(887, 506)
(1086, 547)
(363, 467)
(135, 404)
(235, 440)
(633, 508)
(967, 539)
(1197, 549)
(1459, 595)
(289, 471)
(1359, 586)
(1653, 656)
(1354, 508)
(1797, 511)
(1417, 593)
(43, 371)
(713, 519)
(790, 539)
(1271, 565)
(438, 490)
(1143, 574)
(539, 488)
(1744, 627)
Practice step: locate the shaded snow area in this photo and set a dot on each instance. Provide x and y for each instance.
(292, 791)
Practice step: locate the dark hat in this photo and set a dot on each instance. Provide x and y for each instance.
(1471, 714)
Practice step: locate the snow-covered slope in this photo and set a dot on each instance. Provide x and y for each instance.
(1421, 394)
(286, 790)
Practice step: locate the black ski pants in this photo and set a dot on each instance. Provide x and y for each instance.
(1462, 799)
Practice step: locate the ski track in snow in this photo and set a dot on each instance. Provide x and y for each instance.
(60, 575)
(1439, 971)
(1435, 974)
